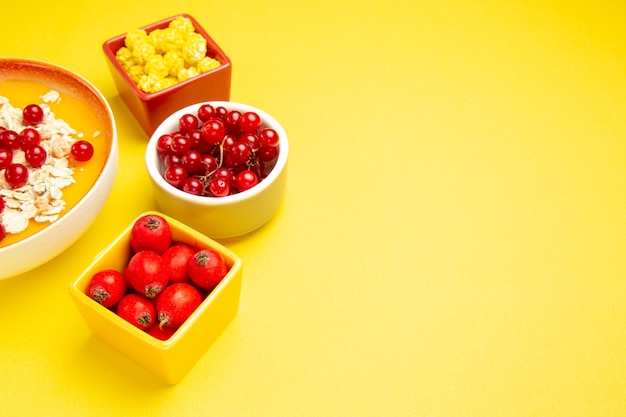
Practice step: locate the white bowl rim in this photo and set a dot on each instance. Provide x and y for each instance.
(170, 124)
(109, 164)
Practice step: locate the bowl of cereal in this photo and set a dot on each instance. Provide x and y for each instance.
(165, 66)
(58, 158)
(221, 167)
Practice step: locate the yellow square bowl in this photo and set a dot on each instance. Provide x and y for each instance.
(173, 358)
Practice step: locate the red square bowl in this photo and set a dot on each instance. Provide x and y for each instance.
(150, 109)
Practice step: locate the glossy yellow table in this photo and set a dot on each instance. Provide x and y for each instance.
(452, 240)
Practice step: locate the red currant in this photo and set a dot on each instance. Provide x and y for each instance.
(2, 203)
(252, 139)
(225, 174)
(193, 185)
(269, 137)
(250, 122)
(180, 144)
(36, 156)
(206, 112)
(176, 175)
(209, 162)
(6, 158)
(16, 175)
(188, 123)
(228, 142)
(267, 153)
(221, 112)
(246, 180)
(228, 153)
(219, 187)
(172, 159)
(29, 137)
(9, 139)
(163, 144)
(32, 114)
(197, 143)
(232, 121)
(192, 161)
(82, 150)
(213, 131)
(237, 155)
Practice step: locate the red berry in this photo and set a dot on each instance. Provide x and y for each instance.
(180, 144)
(221, 112)
(194, 186)
(245, 180)
(107, 287)
(176, 304)
(82, 150)
(137, 310)
(252, 139)
(209, 163)
(161, 333)
(32, 114)
(219, 187)
(206, 268)
(172, 159)
(192, 161)
(29, 137)
(175, 260)
(16, 175)
(269, 137)
(146, 273)
(9, 139)
(206, 112)
(239, 154)
(188, 123)
(250, 121)
(176, 175)
(213, 131)
(163, 144)
(267, 153)
(6, 158)
(228, 142)
(151, 232)
(232, 121)
(197, 143)
(35, 155)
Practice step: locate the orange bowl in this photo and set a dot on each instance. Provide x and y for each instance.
(150, 109)
(84, 108)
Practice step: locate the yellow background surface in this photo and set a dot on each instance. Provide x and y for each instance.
(453, 234)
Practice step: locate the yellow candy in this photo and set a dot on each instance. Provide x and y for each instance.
(194, 48)
(165, 56)
(143, 52)
(187, 73)
(182, 25)
(125, 57)
(135, 37)
(135, 72)
(156, 65)
(151, 83)
(169, 81)
(207, 64)
(174, 62)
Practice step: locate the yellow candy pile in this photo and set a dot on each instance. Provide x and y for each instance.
(164, 57)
